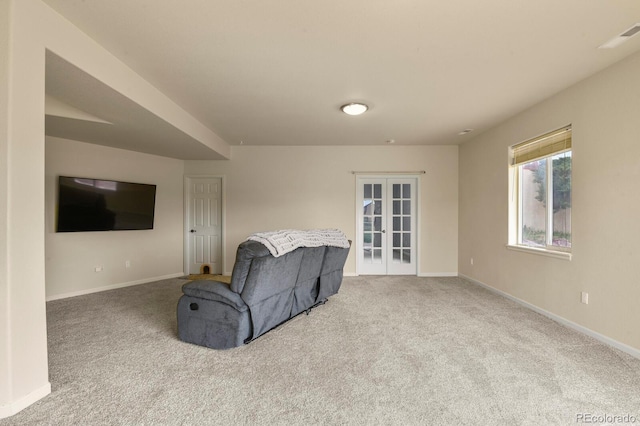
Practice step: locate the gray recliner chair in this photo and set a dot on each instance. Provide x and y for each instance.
(265, 291)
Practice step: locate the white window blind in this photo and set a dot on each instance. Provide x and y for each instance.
(543, 146)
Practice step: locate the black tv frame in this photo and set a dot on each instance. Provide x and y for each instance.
(92, 204)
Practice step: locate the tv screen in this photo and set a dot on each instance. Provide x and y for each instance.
(104, 205)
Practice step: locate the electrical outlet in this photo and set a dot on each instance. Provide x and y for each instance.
(127, 264)
(98, 269)
(584, 297)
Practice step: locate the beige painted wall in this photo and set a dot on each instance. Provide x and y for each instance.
(5, 358)
(28, 29)
(604, 113)
(278, 187)
(23, 377)
(72, 257)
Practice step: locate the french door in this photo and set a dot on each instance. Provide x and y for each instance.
(386, 226)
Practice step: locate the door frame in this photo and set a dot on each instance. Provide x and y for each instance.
(418, 213)
(187, 213)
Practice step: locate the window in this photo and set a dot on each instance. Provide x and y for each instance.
(542, 196)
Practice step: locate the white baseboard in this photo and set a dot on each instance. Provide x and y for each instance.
(438, 274)
(557, 318)
(113, 286)
(16, 406)
(420, 274)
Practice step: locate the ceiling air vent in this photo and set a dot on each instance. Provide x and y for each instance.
(618, 40)
(631, 31)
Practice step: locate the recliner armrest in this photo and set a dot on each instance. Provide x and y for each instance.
(214, 290)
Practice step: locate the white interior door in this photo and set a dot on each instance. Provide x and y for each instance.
(204, 225)
(387, 226)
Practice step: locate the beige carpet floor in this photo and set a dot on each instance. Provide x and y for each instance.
(385, 350)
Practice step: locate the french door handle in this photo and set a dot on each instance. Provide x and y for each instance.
(384, 231)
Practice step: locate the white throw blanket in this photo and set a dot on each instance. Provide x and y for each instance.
(284, 241)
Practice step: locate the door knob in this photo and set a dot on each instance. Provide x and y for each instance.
(192, 231)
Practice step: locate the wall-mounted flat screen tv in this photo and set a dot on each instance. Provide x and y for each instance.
(104, 205)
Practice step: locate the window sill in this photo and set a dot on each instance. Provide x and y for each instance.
(543, 252)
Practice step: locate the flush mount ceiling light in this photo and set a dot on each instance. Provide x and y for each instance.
(354, 108)
(619, 39)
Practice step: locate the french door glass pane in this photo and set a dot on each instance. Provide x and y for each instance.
(367, 223)
(372, 223)
(406, 207)
(367, 217)
(397, 256)
(401, 241)
(396, 207)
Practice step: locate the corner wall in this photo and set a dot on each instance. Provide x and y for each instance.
(5, 357)
(29, 28)
(603, 110)
(71, 257)
(23, 341)
(280, 187)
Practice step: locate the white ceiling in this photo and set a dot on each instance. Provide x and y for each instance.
(276, 72)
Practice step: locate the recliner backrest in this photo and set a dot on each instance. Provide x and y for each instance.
(269, 276)
(306, 290)
(246, 252)
(275, 288)
(265, 283)
(332, 271)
